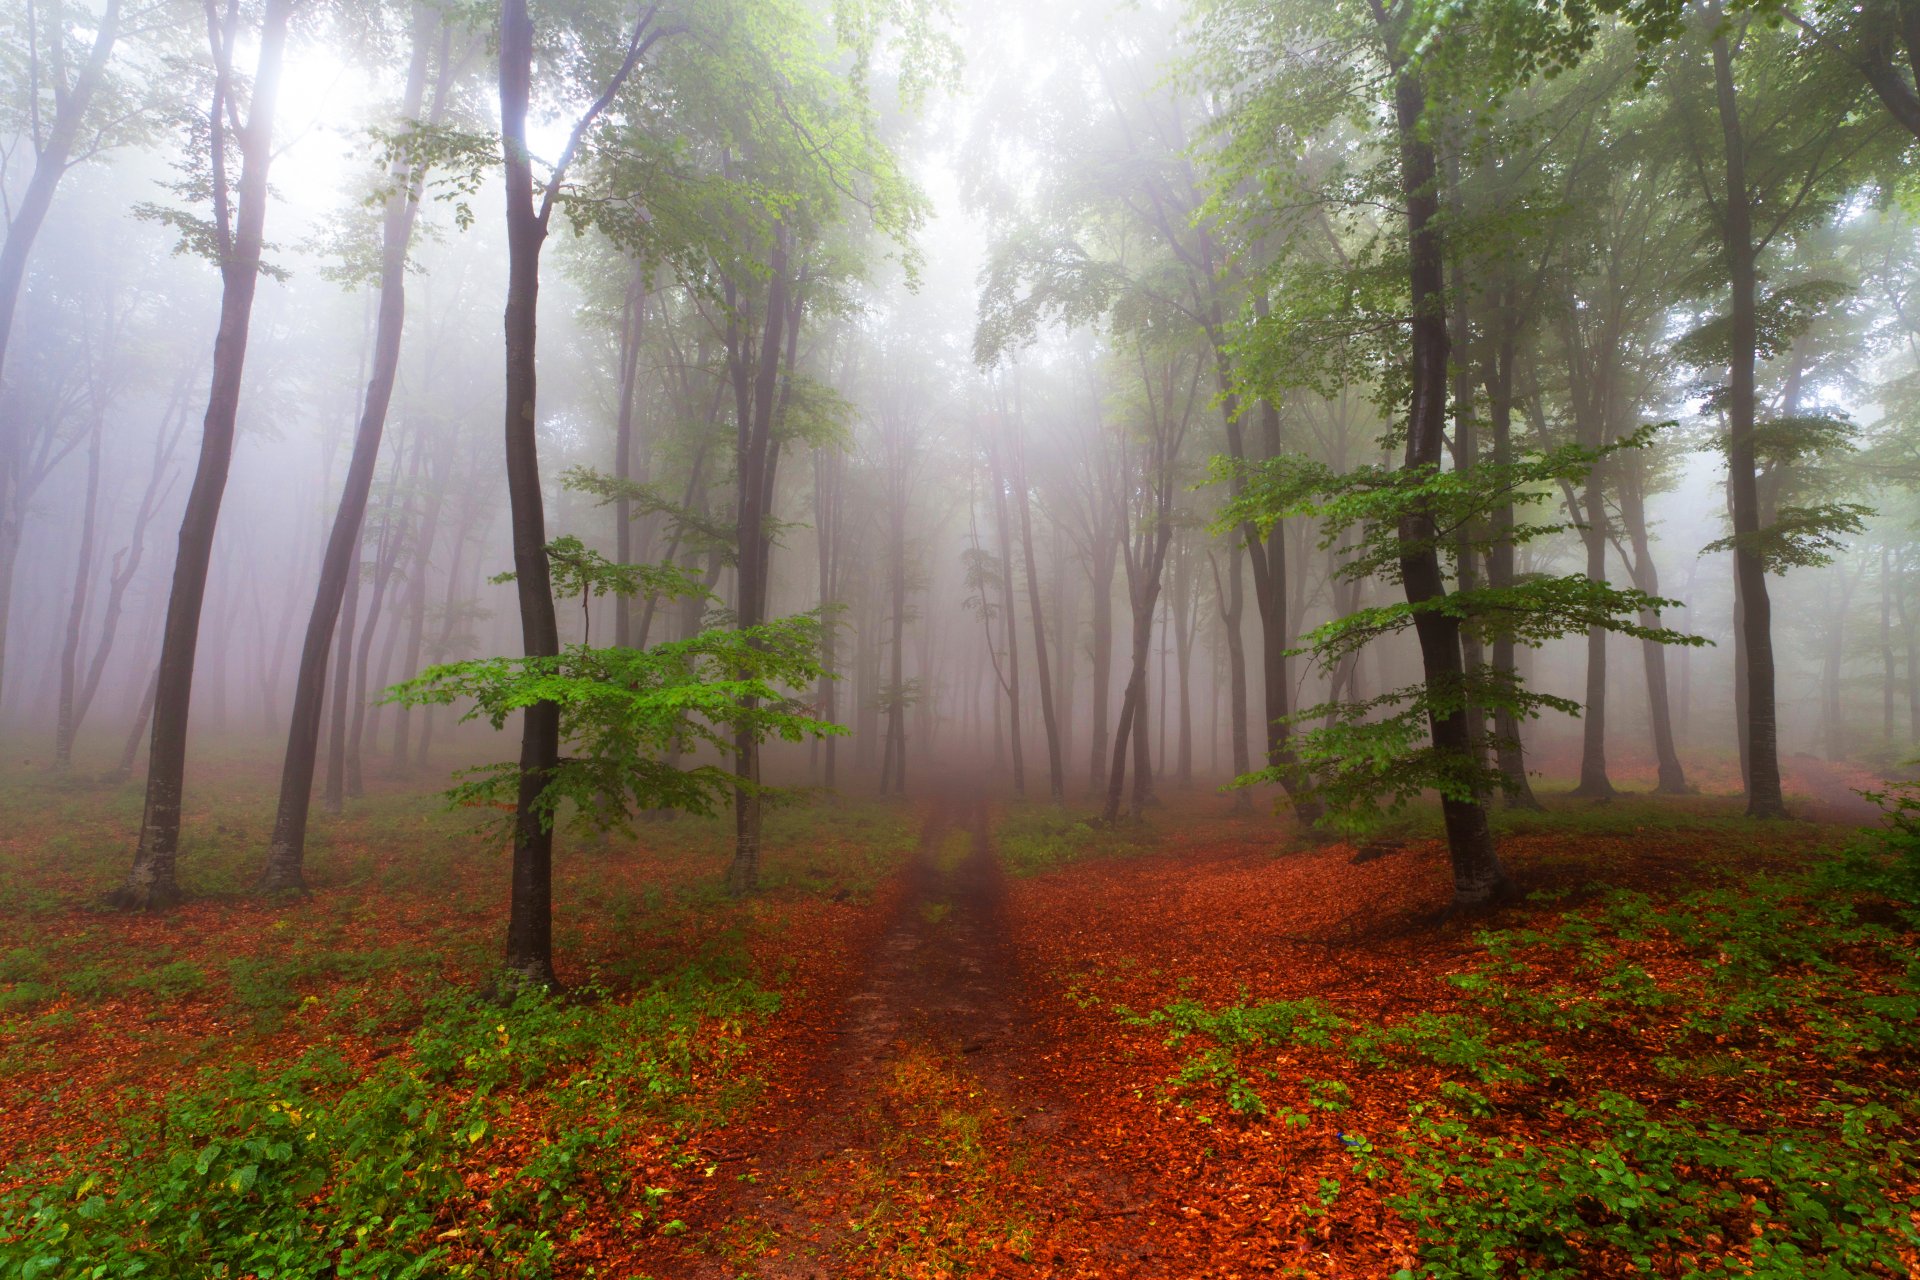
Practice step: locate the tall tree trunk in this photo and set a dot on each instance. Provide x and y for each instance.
(755, 390)
(151, 880)
(1886, 647)
(1232, 603)
(143, 713)
(334, 790)
(1764, 798)
(1183, 615)
(1591, 512)
(77, 610)
(1497, 376)
(1477, 874)
(1672, 779)
(1103, 554)
(893, 755)
(126, 563)
(284, 870)
(633, 328)
(1056, 765)
(416, 611)
(1832, 706)
(529, 955)
(828, 472)
(53, 156)
(1010, 623)
(393, 541)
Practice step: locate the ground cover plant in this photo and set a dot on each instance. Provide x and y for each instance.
(316, 1087)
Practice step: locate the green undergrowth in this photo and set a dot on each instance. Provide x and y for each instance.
(1719, 1083)
(477, 1151)
(1034, 838)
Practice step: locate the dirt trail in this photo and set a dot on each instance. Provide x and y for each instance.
(919, 1142)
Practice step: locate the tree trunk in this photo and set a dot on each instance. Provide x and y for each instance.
(1832, 705)
(1056, 765)
(1477, 874)
(1232, 602)
(1646, 578)
(633, 328)
(77, 610)
(529, 957)
(755, 391)
(1764, 798)
(284, 870)
(1592, 514)
(334, 789)
(52, 159)
(152, 881)
(1497, 376)
(1104, 552)
(1010, 622)
(1886, 647)
(130, 749)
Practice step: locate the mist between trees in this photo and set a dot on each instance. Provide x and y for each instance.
(1357, 400)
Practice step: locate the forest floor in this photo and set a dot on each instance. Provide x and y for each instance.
(967, 1036)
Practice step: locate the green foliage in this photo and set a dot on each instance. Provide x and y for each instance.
(1643, 1188)
(1034, 839)
(580, 571)
(627, 715)
(308, 1171)
(1367, 760)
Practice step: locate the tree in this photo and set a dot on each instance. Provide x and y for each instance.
(530, 206)
(57, 107)
(284, 869)
(234, 238)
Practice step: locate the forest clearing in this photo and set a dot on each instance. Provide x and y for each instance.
(936, 638)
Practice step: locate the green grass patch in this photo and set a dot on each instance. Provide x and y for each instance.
(1035, 838)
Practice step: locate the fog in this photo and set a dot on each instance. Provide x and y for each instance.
(982, 294)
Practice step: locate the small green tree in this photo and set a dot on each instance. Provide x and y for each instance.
(627, 716)
(1368, 758)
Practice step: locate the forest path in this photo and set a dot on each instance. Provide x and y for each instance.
(919, 1143)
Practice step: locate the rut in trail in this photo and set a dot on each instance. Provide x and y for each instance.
(921, 1144)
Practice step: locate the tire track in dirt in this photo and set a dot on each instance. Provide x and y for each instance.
(922, 1141)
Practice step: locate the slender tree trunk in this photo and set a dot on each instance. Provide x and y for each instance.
(1010, 622)
(529, 956)
(393, 541)
(1832, 705)
(334, 791)
(77, 611)
(53, 156)
(1646, 578)
(1497, 376)
(416, 613)
(633, 328)
(1477, 873)
(1056, 767)
(1886, 647)
(893, 756)
(130, 748)
(1185, 621)
(1105, 551)
(1232, 602)
(827, 474)
(1594, 783)
(284, 870)
(755, 393)
(152, 881)
(126, 564)
(1764, 798)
